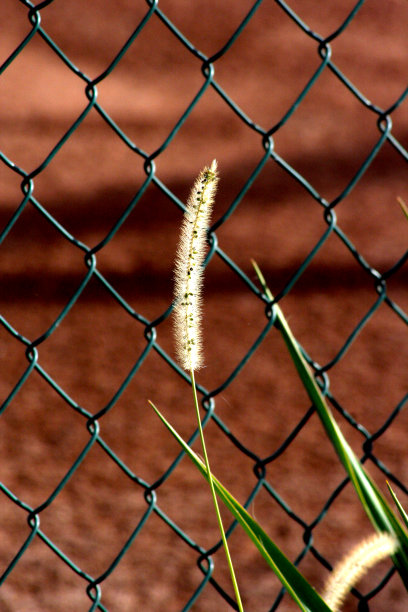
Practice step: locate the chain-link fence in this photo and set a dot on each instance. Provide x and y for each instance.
(109, 110)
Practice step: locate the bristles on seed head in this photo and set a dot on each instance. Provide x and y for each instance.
(189, 271)
(355, 565)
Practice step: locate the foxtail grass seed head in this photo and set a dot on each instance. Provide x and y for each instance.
(355, 565)
(189, 271)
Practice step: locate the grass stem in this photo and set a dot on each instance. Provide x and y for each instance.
(217, 510)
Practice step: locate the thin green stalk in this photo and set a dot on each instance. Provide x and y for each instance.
(217, 510)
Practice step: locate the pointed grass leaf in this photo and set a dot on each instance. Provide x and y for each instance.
(404, 207)
(297, 586)
(372, 500)
(401, 510)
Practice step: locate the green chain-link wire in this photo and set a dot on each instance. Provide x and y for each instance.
(207, 67)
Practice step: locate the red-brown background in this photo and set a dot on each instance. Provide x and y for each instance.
(87, 186)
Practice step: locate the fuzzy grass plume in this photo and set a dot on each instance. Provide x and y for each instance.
(355, 565)
(187, 294)
(189, 271)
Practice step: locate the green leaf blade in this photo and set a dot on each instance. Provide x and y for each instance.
(401, 510)
(372, 500)
(297, 586)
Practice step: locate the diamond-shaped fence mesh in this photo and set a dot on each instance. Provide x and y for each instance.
(109, 111)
